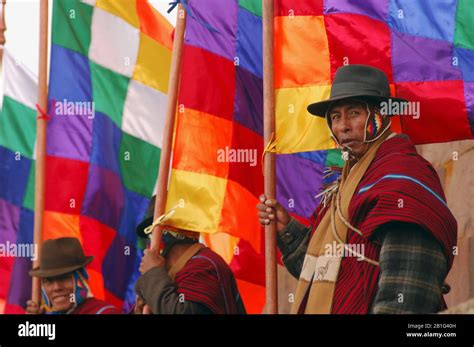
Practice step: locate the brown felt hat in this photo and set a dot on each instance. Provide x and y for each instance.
(60, 256)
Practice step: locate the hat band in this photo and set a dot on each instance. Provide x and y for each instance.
(348, 89)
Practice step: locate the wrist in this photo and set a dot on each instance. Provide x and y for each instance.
(283, 226)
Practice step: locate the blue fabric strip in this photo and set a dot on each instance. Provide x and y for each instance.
(104, 308)
(404, 177)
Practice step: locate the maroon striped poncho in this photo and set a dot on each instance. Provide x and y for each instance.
(95, 306)
(399, 185)
(207, 279)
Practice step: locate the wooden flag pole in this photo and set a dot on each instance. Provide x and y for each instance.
(41, 125)
(165, 159)
(269, 162)
(3, 28)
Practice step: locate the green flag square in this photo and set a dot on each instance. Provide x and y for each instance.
(109, 90)
(334, 158)
(71, 26)
(29, 200)
(18, 127)
(139, 162)
(254, 6)
(464, 32)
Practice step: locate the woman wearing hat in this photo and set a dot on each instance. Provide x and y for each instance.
(64, 281)
(382, 238)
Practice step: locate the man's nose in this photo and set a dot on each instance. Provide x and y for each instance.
(344, 124)
(56, 286)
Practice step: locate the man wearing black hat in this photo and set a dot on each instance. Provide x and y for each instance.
(187, 278)
(382, 238)
(64, 281)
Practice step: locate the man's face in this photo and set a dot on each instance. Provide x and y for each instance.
(348, 119)
(60, 292)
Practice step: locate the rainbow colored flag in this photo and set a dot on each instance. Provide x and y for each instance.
(426, 55)
(425, 48)
(109, 74)
(113, 56)
(216, 164)
(17, 172)
(102, 168)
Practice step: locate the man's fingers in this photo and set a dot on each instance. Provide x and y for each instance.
(264, 215)
(265, 208)
(33, 305)
(262, 198)
(271, 203)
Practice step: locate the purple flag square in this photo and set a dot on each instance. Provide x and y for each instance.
(298, 182)
(9, 222)
(207, 17)
(116, 258)
(420, 59)
(104, 197)
(469, 95)
(377, 9)
(248, 107)
(70, 137)
(20, 285)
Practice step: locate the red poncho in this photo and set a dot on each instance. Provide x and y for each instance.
(399, 185)
(208, 280)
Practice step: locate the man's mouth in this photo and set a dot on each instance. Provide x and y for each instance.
(59, 298)
(349, 142)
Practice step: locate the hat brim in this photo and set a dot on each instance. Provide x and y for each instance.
(38, 272)
(320, 108)
(140, 230)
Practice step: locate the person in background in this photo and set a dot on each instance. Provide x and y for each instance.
(187, 278)
(64, 281)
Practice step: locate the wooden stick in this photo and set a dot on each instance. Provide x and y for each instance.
(165, 159)
(269, 162)
(41, 124)
(3, 28)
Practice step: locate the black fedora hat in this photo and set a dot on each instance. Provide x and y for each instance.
(356, 81)
(170, 236)
(60, 256)
(148, 219)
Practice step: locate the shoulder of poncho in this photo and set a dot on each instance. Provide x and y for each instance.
(92, 305)
(399, 155)
(205, 261)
